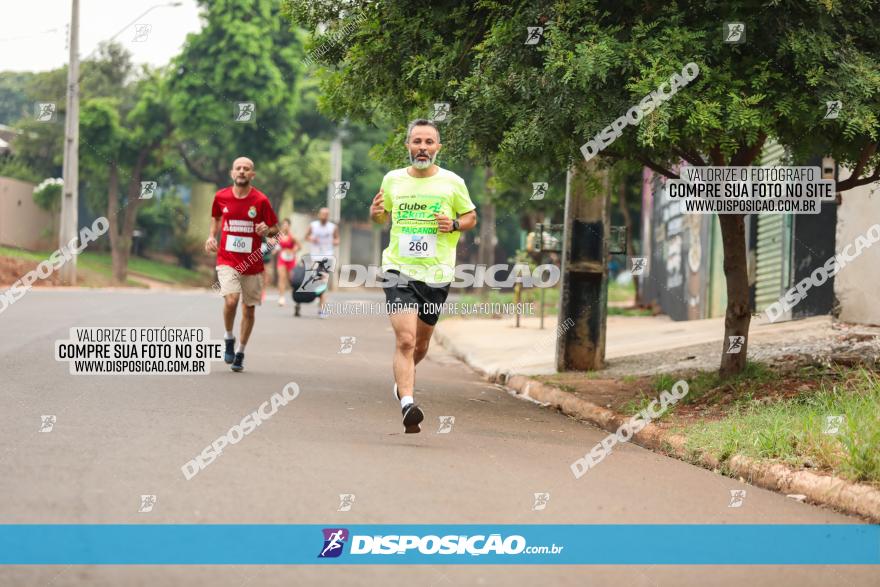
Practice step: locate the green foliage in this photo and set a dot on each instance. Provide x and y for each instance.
(15, 168)
(793, 430)
(47, 195)
(243, 54)
(740, 385)
(528, 108)
(14, 102)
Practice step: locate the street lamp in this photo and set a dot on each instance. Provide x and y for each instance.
(70, 196)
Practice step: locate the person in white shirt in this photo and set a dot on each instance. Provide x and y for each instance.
(324, 237)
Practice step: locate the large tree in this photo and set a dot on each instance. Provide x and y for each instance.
(244, 53)
(532, 106)
(123, 145)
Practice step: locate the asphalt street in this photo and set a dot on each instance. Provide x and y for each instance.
(119, 437)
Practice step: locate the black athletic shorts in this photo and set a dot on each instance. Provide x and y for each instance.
(403, 293)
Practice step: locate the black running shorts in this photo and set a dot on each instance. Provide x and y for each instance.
(402, 293)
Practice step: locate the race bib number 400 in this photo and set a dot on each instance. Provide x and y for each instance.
(239, 244)
(418, 245)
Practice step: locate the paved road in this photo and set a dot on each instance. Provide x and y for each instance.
(118, 437)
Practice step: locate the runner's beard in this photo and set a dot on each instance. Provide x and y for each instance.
(422, 164)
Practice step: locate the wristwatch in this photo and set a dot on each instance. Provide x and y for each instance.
(455, 225)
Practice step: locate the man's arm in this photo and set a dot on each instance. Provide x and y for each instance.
(211, 242)
(378, 213)
(467, 221)
(263, 229)
(335, 236)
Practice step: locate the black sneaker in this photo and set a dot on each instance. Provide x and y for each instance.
(229, 355)
(237, 362)
(412, 416)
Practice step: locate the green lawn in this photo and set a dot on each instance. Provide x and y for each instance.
(101, 264)
(794, 430)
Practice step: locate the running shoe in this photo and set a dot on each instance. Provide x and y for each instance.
(229, 355)
(323, 315)
(412, 416)
(237, 363)
(281, 301)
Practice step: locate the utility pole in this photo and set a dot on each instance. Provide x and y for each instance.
(334, 203)
(584, 295)
(70, 196)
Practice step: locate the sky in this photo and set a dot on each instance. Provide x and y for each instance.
(33, 33)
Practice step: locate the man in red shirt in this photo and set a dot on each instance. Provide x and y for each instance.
(244, 215)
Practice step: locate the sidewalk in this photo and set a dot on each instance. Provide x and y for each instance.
(637, 345)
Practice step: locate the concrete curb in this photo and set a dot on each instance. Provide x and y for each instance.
(845, 496)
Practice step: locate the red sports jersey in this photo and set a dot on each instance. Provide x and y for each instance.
(239, 244)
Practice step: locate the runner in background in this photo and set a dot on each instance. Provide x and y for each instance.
(266, 249)
(324, 236)
(285, 251)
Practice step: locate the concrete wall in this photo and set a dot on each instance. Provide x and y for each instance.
(855, 287)
(23, 224)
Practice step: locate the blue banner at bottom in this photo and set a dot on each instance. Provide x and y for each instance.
(266, 544)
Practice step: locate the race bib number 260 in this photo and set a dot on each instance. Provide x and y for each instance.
(418, 245)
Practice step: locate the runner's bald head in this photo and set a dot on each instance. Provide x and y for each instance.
(243, 160)
(242, 172)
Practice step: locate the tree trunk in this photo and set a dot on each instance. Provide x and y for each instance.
(738, 315)
(486, 253)
(113, 217)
